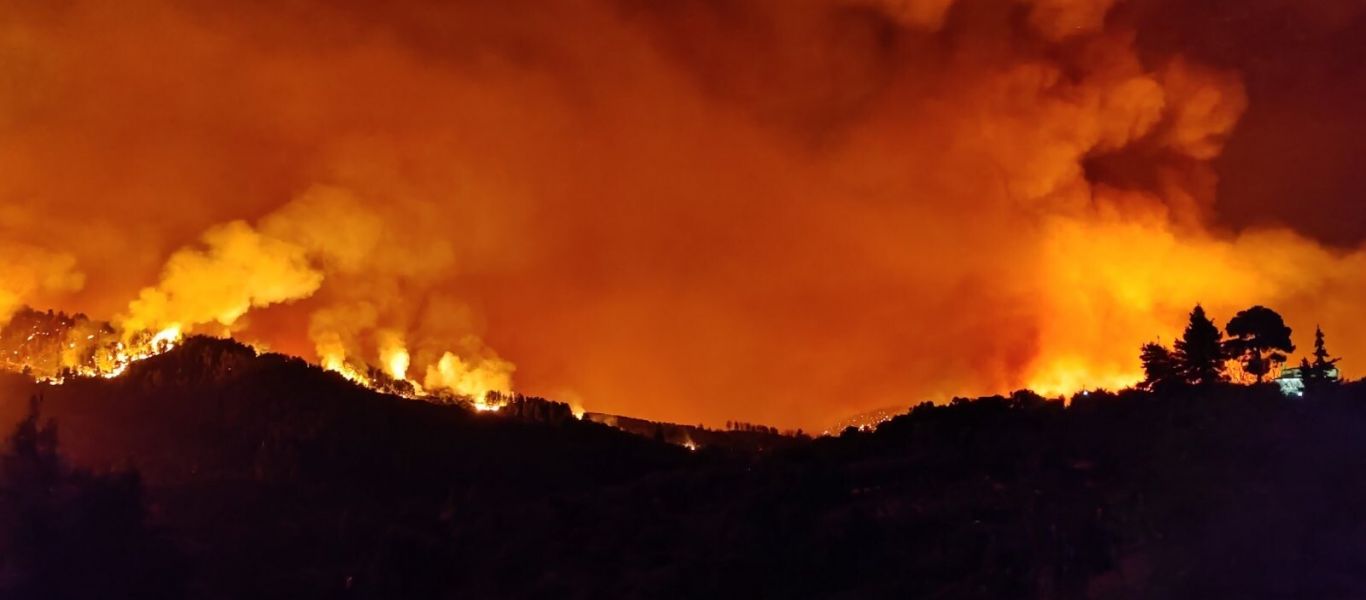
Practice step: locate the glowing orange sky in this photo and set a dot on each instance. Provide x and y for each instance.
(772, 211)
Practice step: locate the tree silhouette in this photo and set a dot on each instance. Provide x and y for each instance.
(1258, 339)
(1200, 353)
(1322, 369)
(66, 533)
(1159, 366)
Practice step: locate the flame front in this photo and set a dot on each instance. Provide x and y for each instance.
(52, 347)
(397, 362)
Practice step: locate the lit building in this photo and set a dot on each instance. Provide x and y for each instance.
(1291, 380)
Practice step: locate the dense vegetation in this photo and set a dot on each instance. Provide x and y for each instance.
(1257, 343)
(263, 477)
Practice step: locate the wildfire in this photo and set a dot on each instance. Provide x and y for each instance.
(818, 208)
(337, 364)
(398, 364)
(392, 377)
(124, 355)
(1064, 377)
(165, 339)
(52, 347)
(393, 354)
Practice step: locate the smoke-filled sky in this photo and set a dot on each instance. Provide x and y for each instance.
(777, 211)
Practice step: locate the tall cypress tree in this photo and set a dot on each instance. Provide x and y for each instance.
(1322, 367)
(1200, 352)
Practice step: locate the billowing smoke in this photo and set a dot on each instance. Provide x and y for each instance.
(376, 277)
(236, 270)
(769, 210)
(29, 272)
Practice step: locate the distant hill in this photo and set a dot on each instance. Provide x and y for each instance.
(266, 462)
(210, 398)
(866, 420)
(696, 436)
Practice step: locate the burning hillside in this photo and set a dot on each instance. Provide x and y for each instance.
(52, 347)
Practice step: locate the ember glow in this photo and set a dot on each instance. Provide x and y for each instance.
(53, 347)
(776, 211)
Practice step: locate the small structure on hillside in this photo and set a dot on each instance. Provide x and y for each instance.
(1291, 380)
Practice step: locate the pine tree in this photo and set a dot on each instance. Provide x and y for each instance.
(1159, 366)
(1258, 338)
(1200, 352)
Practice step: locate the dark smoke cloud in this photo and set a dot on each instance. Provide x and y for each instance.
(1294, 159)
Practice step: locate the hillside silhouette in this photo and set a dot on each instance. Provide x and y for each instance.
(265, 477)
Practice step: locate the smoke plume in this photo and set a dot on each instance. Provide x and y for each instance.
(772, 211)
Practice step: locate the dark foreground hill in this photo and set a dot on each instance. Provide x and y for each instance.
(262, 477)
